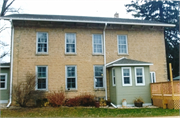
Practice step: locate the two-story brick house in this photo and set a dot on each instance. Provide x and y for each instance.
(108, 57)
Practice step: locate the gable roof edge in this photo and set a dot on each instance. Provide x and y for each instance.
(115, 61)
(86, 21)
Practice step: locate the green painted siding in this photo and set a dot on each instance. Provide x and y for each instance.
(5, 93)
(130, 92)
(112, 88)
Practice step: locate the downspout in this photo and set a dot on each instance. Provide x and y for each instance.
(11, 74)
(105, 86)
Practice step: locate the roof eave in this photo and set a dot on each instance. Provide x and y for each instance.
(145, 64)
(85, 21)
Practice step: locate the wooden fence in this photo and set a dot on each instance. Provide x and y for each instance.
(166, 94)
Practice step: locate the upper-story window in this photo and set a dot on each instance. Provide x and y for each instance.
(42, 42)
(70, 46)
(122, 44)
(42, 77)
(97, 44)
(126, 76)
(98, 76)
(3, 81)
(139, 76)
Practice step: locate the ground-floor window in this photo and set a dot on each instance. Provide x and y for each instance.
(139, 76)
(42, 78)
(3, 81)
(71, 77)
(98, 76)
(126, 76)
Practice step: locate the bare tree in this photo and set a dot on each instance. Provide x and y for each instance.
(6, 7)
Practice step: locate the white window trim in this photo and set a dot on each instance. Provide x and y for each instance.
(151, 73)
(130, 77)
(5, 81)
(113, 78)
(118, 44)
(75, 76)
(46, 78)
(102, 77)
(143, 78)
(93, 45)
(65, 44)
(37, 43)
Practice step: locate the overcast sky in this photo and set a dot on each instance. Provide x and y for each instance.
(98, 8)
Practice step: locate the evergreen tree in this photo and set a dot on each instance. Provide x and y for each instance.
(165, 11)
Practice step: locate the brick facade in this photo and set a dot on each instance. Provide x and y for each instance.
(143, 45)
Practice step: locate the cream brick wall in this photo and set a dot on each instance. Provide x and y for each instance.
(143, 45)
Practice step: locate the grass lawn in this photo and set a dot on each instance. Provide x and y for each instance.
(87, 112)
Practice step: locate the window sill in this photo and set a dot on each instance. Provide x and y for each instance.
(99, 89)
(3, 89)
(71, 90)
(70, 54)
(97, 54)
(123, 54)
(42, 54)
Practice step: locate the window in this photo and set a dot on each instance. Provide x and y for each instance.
(97, 44)
(153, 77)
(122, 44)
(42, 78)
(139, 76)
(70, 46)
(3, 81)
(42, 42)
(113, 77)
(98, 76)
(126, 76)
(71, 77)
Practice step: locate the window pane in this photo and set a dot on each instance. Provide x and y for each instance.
(71, 83)
(41, 71)
(113, 72)
(139, 80)
(98, 71)
(71, 71)
(99, 82)
(2, 78)
(114, 80)
(2, 85)
(139, 71)
(42, 37)
(126, 72)
(41, 83)
(70, 48)
(126, 80)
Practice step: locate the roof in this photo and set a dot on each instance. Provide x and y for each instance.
(4, 65)
(84, 19)
(127, 62)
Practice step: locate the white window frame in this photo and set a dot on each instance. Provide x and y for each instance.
(151, 75)
(143, 78)
(102, 76)
(67, 77)
(37, 43)
(43, 77)
(5, 81)
(130, 77)
(93, 44)
(66, 44)
(113, 77)
(121, 44)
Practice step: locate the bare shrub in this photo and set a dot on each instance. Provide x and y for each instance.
(24, 91)
(56, 98)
